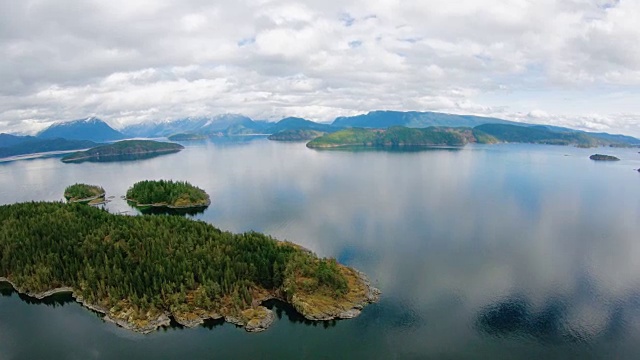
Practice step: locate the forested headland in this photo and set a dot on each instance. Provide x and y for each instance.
(141, 270)
(167, 193)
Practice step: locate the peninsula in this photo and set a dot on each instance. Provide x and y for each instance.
(124, 150)
(167, 194)
(141, 271)
(83, 193)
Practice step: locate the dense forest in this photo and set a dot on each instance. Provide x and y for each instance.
(82, 191)
(167, 192)
(153, 264)
(459, 136)
(395, 136)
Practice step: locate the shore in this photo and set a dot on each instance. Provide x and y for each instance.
(257, 318)
(164, 205)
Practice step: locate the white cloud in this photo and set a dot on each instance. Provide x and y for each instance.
(136, 61)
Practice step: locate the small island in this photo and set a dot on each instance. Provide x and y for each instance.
(600, 157)
(149, 195)
(296, 135)
(124, 150)
(85, 194)
(187, 137)
(143, 271)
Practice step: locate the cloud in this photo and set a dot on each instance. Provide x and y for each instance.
(150, 60)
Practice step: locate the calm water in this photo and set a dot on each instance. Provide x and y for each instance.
(505, 251)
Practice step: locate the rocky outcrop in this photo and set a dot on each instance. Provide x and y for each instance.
(255, 319)
(363, 294)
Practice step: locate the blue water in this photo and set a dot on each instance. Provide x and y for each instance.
(498, 251)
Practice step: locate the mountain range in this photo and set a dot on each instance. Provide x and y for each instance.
(13, 145)
(84, 133)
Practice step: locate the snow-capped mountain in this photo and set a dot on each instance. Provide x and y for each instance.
(226, 123)
(91, 128)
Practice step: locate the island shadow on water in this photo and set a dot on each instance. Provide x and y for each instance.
(55, 300)
(280, 308)
(163, 210)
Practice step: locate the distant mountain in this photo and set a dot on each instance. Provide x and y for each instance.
(7, 140)
(23, 145)
(92, 129)
(232, 124)
(414, 119)
(195, 125)
(294, 123)
(540, 134)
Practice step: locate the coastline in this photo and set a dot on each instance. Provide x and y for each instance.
(90, 157)
(257, 318)
(89, 199)
(164, 205)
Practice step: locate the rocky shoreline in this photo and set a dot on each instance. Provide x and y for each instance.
(89, 199)
(255, 319)
(163, 205)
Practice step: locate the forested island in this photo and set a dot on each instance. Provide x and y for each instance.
(395, 136)
(84, 193)
(167, 194)
(141, 271)
(296, 135)
(600, 157)
(124, 150)
(459, 136)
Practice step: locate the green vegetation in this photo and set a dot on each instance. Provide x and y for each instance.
(296, 135)
(395, 136)
(187, 137)
(600, 157)
(137, 268)
(163, 193)
(84, 193)
(447, 136)
(116, 151)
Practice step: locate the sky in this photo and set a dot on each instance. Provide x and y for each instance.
(571, 63)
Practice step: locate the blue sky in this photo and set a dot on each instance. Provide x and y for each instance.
(572, 63)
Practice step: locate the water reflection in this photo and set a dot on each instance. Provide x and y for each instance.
(283, 309)
(483, 252)
(155, 210)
